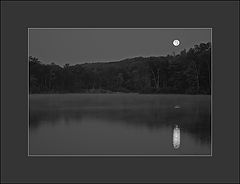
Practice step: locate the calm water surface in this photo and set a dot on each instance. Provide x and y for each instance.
(129, 124)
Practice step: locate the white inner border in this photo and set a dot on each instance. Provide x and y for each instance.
(115, 155)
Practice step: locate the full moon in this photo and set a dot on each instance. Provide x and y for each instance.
(176, 42)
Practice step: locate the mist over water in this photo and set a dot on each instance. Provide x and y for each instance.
(116, 124)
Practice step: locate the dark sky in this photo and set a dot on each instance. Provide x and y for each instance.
(74, 46)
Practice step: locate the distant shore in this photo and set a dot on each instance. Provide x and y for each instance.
(49, 93)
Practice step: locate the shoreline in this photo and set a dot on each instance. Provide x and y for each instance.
(114, 93)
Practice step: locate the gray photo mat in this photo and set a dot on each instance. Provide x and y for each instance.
(19, 16)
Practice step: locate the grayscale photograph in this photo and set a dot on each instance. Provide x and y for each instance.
(120, 92)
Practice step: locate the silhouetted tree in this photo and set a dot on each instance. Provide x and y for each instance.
(186, 73)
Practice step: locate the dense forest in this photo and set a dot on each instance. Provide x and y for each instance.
(186, 73)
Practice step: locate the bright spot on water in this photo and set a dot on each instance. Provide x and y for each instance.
(177, 107)
(176, 137)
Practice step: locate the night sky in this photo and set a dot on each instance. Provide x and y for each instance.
(76, 46)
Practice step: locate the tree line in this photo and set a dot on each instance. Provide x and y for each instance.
(186, 73)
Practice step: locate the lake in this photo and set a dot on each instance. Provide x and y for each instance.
(119, 124)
